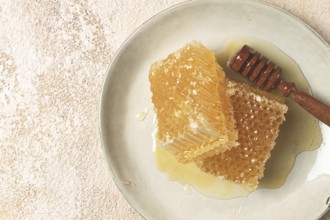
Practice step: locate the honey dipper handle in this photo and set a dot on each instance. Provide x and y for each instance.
(309, 103)
(312, 105)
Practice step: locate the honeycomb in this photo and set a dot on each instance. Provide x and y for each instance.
(258, 116)
(194, 115)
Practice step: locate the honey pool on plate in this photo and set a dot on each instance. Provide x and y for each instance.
(300, 132)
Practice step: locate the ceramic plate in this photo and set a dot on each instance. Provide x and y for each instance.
(128, 141)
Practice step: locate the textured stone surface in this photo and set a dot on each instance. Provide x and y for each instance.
(53, 57)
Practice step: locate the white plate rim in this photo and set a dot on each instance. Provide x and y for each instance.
(131, 36)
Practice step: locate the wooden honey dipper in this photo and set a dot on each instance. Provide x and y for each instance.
(258, 69)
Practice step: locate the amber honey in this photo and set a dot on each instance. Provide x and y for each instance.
(300, 132)
(194, 115)
(258, 116)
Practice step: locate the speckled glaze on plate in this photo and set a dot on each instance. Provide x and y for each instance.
(128, 141)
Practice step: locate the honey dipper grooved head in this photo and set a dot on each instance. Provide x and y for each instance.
(256, 68)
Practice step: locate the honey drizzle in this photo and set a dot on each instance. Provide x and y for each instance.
(300, 132)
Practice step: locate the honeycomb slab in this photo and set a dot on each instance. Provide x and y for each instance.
(258, 116)
(194, 115)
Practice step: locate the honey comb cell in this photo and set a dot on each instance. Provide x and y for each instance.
(194, 115)
(258, 116)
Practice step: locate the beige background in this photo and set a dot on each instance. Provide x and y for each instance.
(53, 58)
